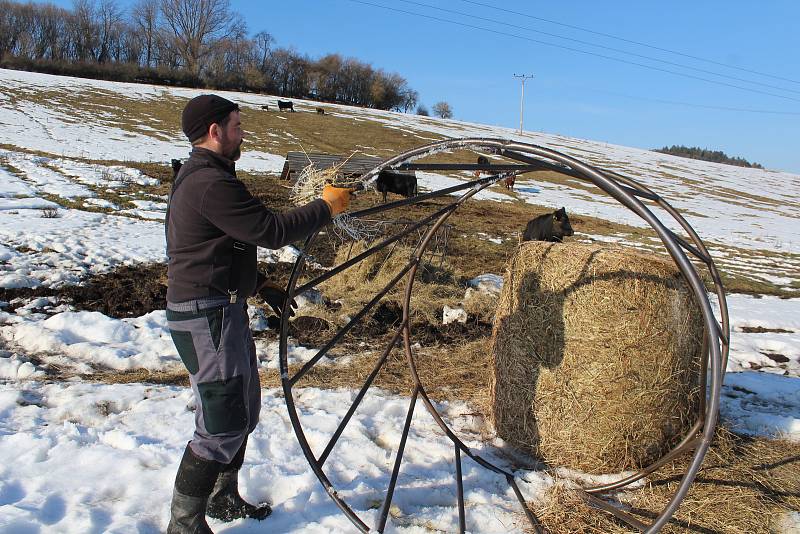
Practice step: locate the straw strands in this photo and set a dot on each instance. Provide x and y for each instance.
(308, 186)
(596, 355)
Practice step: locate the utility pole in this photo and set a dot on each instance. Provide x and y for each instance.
(522, 78)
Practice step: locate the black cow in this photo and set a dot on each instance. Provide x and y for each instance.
(320, 111)
(396, 182)
(176, 166)
(548, 227)
(285, 104)
(265, 107)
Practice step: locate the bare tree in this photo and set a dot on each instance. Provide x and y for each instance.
(326, 77)
(396, 89)
(263, 45)
(410, 98)
(422, 111)
(22, 26)
(131, 45)
(232, 57)
(145, 20)
(195, 26)
(188, 42)
(60, 43)
(8, 28)
(359, 77)
(289, 72)
(443, 110)
(109, 24)
(84, 30)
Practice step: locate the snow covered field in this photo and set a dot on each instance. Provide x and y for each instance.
(101, 458)
(753, 211)
(89, 457)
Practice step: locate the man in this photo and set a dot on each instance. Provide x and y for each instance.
(213, 226)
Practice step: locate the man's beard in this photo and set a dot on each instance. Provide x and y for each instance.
(233, 153)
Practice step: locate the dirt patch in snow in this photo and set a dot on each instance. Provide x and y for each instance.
(128, 291)
(762, 330)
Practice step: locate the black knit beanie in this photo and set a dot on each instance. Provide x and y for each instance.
(203, 111)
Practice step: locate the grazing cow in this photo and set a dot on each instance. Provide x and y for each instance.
(176, 166)
(509, 182)
(285, 104)
(265, 107)
(396, 182)
(320, 111)
(548, 227)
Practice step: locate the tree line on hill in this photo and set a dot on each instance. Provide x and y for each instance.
(717, 156)
(196, 43)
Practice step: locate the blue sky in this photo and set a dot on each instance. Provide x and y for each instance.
(572, 93)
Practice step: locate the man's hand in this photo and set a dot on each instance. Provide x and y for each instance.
(337, 198)
(275, 297)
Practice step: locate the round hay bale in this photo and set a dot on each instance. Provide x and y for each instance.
(595, 356)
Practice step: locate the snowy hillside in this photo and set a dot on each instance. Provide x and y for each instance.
(87, 456)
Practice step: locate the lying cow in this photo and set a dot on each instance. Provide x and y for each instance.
(396, 182)
(548, 227)
(285, 104)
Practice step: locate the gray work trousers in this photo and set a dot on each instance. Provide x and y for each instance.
(215, 344)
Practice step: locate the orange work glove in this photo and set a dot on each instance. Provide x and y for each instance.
(337, 198)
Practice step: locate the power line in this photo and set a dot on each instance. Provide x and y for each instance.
(604, 47)
(646, 45)
(704, 106)
(578, 50)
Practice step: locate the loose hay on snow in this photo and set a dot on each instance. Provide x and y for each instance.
(596, 355)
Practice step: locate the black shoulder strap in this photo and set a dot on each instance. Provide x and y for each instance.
(178, 181)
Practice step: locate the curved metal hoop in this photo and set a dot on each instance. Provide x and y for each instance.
(628, 193)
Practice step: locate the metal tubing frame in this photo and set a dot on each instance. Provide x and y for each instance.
(462, 516)
(398, 461)
(363, 391)
(346, 328)
(623, 189)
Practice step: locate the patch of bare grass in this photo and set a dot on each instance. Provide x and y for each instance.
(454, 372)
(279, 133)
(174, 376)
(745, 486)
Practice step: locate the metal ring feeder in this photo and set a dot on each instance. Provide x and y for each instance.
(530, 157)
